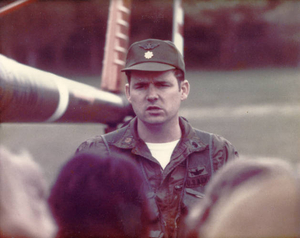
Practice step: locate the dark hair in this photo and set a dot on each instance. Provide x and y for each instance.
(178, 73)
(99, 197)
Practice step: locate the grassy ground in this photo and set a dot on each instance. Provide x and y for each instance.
(257, 110)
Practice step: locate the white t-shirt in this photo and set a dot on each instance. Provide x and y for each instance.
(162, 151)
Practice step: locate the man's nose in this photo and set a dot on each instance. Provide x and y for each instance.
(152, 93)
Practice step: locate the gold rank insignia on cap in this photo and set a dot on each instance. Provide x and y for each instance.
(148, 55)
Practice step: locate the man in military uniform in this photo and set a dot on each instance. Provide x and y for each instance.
(177, 160)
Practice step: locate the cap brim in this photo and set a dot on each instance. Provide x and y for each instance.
(149, 66)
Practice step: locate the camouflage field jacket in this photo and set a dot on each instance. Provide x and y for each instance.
(174, 190)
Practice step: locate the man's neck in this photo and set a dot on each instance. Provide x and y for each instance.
(159, 133)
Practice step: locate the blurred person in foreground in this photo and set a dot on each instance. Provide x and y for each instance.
(177, 160)
(97, 196)
(249, 198)
(24, 212)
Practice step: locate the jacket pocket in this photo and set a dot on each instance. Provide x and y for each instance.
(194, 193)
(191, 198)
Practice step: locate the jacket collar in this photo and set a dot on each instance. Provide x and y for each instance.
(189, 137)
(130, 138)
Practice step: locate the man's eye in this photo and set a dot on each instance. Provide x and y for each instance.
(140, 86)
(162, 85)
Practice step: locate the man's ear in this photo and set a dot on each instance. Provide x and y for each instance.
(185, 89)
(127, 92)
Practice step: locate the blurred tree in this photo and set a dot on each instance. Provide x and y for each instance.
(236, 34)
(68, 37)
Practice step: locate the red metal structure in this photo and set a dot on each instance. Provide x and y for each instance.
(116, 44)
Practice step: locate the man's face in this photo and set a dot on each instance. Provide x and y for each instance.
(156, 96)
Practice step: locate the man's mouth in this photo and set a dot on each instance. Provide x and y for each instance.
(153, 108)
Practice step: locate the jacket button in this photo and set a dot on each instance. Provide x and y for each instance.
(178, 187)
(128, 140)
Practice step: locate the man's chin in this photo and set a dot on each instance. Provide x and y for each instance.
(154, 120)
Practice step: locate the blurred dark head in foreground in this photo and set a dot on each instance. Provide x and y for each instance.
(250, 198)
(99, 197)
